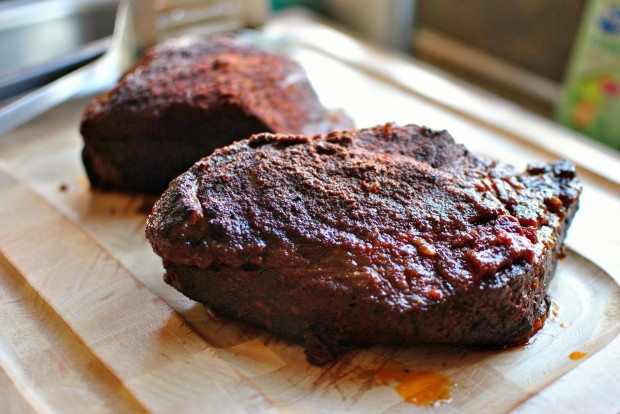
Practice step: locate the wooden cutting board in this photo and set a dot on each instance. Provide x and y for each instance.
(89, 325)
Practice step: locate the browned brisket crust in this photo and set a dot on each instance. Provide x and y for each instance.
(187, 97)
(386, 235)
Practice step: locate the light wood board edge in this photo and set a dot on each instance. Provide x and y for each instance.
(13, 400)
(142, 341)
(46, 361)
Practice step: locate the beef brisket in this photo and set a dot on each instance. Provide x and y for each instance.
(187, 97)
(385, 235)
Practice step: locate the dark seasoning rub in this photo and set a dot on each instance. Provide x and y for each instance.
(185, 98)
(384, 235)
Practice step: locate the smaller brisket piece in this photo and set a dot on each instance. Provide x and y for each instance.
(385, 235)
(187, 97)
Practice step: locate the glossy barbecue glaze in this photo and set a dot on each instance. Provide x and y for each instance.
(385, 235)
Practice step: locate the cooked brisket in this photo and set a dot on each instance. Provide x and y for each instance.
(384, 235)
(187, 97)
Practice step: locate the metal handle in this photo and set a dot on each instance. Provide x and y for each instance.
(92, 77)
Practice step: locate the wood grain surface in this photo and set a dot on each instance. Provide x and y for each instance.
(145, 344)
(90, 326)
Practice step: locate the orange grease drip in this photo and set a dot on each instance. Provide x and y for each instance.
(424, 389)
(577, 355)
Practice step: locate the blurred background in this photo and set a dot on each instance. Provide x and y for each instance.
(558, 58)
